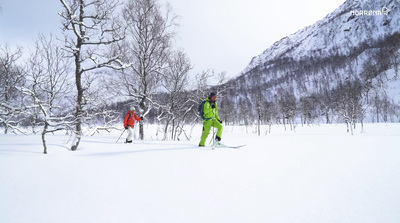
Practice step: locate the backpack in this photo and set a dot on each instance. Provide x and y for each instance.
(201, 109)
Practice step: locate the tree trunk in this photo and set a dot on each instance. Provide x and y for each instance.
(44, 137)
(79, 98)
(284, 124)
(166, 130)
(141, 130)
(377, 112)
(173, 130)
(291, 122)
(328, 121)
(351, 128)
(362, 126)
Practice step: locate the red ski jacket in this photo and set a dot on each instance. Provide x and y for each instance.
(130, 118)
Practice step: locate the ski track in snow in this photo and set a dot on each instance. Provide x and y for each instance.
(318, 174)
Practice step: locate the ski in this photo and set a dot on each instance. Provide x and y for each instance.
(233, 147)
(225, 146)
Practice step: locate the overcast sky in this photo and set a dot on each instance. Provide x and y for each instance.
(219, 34)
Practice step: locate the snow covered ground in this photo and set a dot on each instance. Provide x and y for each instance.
(318, 174)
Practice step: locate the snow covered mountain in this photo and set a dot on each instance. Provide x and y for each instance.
(349, 57)
(340, 31)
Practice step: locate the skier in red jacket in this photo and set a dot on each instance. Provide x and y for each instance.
(129, 123)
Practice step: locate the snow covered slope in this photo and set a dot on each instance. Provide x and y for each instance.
(319, 66)
(319, 174)
(338, 33)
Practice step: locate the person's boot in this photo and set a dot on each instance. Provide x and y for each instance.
(217, 142)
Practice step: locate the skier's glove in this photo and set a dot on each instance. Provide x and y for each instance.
(141, 117)
(219, 121)
(126, 127)
(212, 105)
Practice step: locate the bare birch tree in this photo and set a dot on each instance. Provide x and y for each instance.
(177, 106)
(147, 47)
(349, 102)
(90, 28)
(11, 77)
(48, 72)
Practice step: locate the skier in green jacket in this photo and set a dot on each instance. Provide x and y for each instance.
(209, 113)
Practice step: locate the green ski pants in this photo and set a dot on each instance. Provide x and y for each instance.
(207, 125)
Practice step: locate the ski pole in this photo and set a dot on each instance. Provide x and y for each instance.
(213, 130)
(120, 136)
(212, 139)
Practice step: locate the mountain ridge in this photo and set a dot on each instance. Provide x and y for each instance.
(343, 14)
(313, 72)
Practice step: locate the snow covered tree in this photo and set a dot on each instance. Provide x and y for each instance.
(203, 88)
(91, 27)
(288, 107)
(271, 114)
(11, 77)
(178, 104)
(147, 48)
(308, 109)
(202, 85)
(349, 102)
(258, 99)
(99, 116)
(48, 86)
